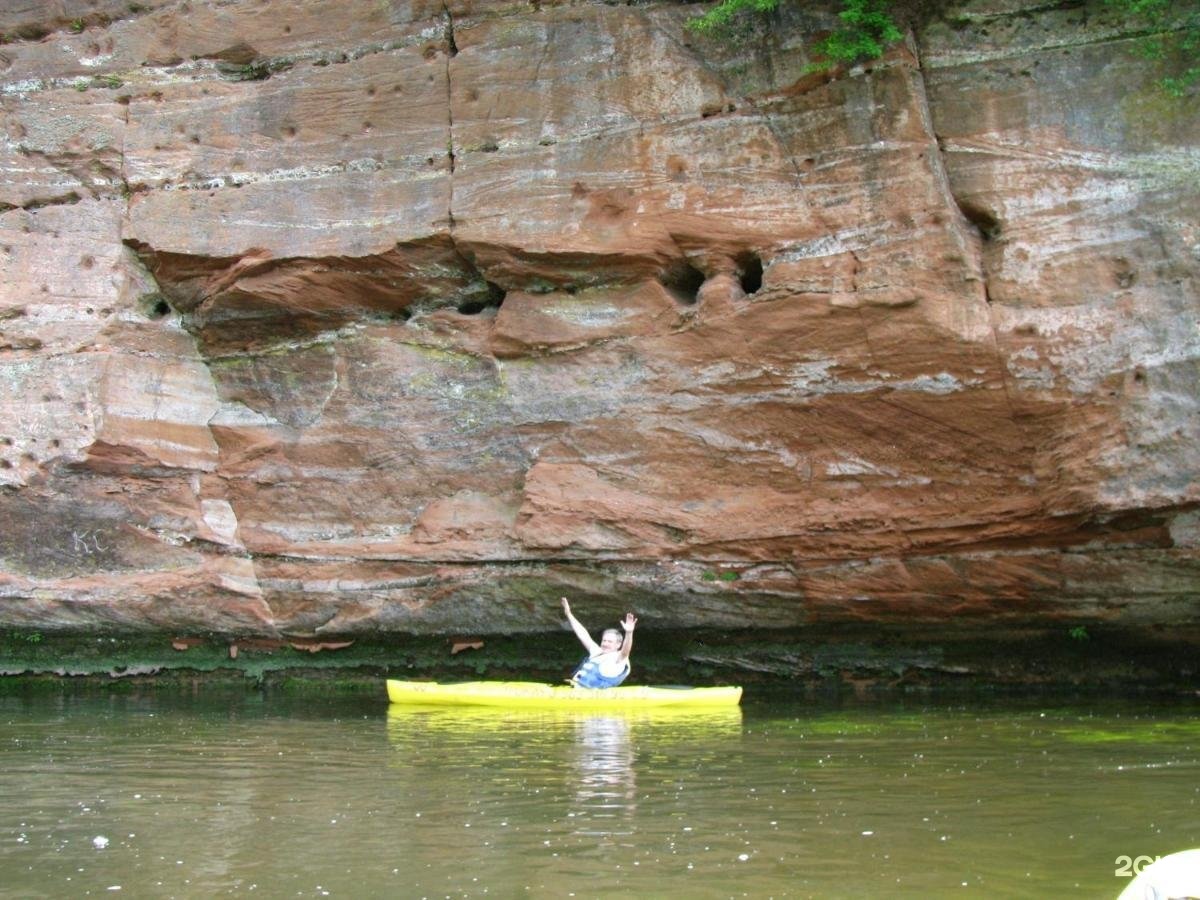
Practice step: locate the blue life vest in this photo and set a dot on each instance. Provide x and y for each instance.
(588, 675)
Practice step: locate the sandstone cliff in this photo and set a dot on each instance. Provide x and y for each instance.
(343, 317)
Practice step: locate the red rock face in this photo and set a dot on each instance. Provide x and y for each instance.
(338, 317)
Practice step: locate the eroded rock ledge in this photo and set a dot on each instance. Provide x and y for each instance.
(348, 318)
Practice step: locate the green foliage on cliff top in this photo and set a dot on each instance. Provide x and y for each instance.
(719, 18)
(867, 29)
(1177, 23)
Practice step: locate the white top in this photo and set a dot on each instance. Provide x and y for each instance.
(610, 664)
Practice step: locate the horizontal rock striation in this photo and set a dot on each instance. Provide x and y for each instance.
(333, 318)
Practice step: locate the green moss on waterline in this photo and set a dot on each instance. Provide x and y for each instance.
(858, 660)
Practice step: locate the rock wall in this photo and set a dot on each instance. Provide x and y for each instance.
(343, 317)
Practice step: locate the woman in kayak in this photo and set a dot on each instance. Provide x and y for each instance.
(607, 663)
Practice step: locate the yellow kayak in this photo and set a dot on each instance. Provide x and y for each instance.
(528, 694)
(411, 718)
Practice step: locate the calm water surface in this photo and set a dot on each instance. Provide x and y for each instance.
(171, 797)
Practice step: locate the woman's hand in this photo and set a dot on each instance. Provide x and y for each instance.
(630, 622)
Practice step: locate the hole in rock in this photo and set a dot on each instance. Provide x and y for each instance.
(751, 273)
(988, 224)
(32, 32)
(684, 281)
(1123, 272)
(493, 300)
(159, 308)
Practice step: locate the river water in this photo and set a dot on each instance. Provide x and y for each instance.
(170, 796)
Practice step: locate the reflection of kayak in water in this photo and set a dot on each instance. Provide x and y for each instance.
(587, 752)
(527, 694)
(590, 724)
